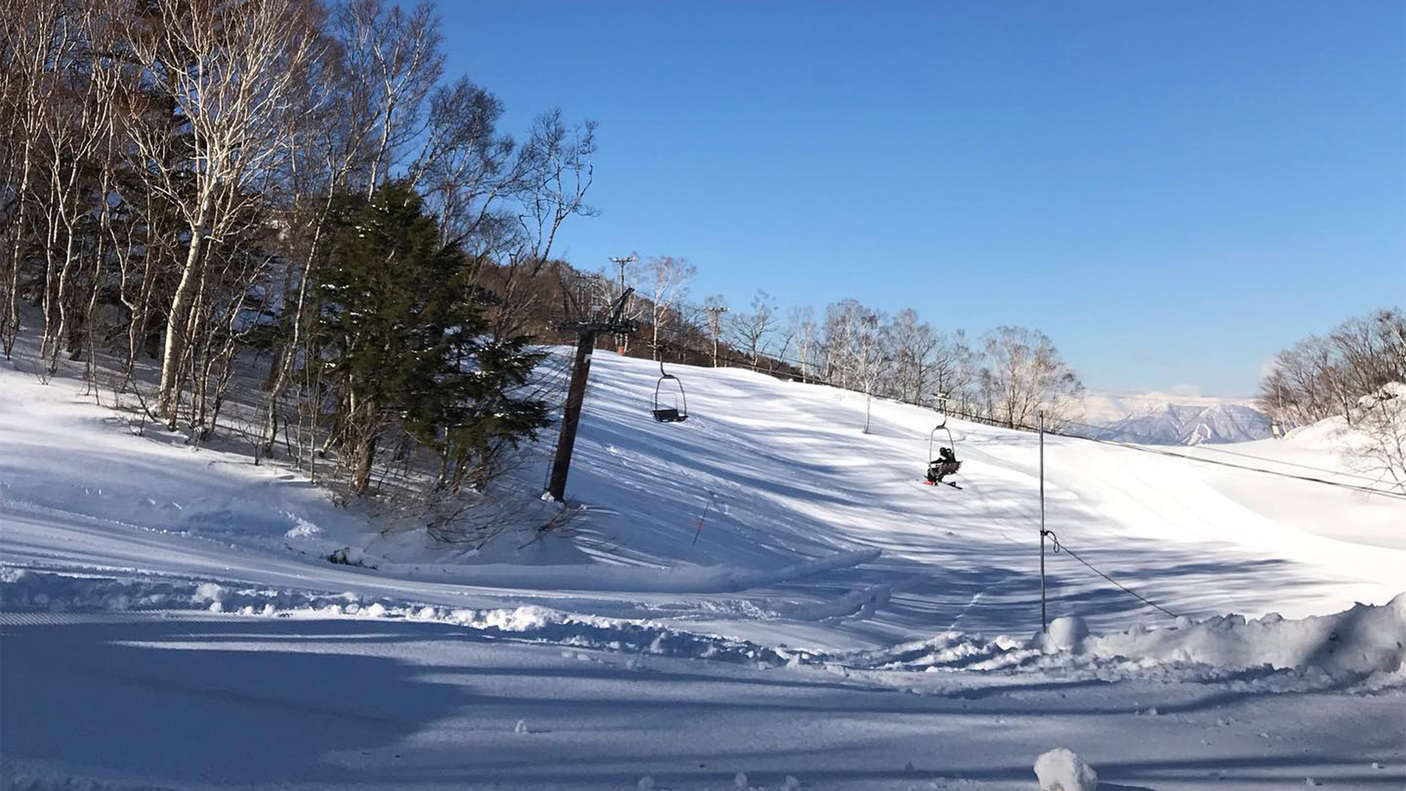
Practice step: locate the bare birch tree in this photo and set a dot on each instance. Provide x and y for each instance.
(668, 278)
(869, 357)
(806, 334)
(31, 32)
(1023, 375)
(751, 328)
(232, 69)
(1324, 376)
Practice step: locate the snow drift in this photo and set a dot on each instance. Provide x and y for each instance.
(1364, 639)
(1360, 641)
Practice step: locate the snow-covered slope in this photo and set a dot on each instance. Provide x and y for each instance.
(804, 518)
(766, 531)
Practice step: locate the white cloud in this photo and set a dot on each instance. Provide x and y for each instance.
(1186, 391)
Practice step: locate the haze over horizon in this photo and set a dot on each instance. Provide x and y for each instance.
(1173, 193)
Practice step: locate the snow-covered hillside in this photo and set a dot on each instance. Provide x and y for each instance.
(744, 592)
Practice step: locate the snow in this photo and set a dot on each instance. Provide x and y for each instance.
(1063, 770)
(1065, 634)
(1362, 640)
(834, 619)
(1347, 646)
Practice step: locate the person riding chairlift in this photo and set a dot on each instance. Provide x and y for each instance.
(945, 464)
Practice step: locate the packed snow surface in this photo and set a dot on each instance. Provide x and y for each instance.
(763, 592)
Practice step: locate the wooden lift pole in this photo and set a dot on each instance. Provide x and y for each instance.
(586, 333)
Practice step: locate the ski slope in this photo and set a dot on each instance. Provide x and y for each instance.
(773, 637)
(814, 532)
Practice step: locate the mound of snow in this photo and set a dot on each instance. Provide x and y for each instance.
(1065, 634)
(1358, 642)
(23, 590)
(1362, 640)
(1063, 770)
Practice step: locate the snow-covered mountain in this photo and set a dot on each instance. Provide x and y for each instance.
(1187, 424)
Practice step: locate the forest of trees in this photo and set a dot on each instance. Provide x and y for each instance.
(1357, 372)
(280, 220)
(1324, 376)
(192, 188)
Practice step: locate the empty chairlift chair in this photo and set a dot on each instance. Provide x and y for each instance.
(669, 390)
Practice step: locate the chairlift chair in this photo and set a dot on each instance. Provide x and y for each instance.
(943, 463)
(669, 414)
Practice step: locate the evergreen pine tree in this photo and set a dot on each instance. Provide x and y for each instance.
(404, 344)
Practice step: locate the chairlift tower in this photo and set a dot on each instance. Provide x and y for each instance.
(622, 261)
(715, 316)
(586, 329)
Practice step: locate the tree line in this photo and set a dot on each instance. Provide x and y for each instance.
(1006, 375)
(1355, 372)
(1324, 376)
(199, 189)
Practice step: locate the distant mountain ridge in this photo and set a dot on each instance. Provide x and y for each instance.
(1186, 424)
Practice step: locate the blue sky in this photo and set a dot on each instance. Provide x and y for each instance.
(1173, 191)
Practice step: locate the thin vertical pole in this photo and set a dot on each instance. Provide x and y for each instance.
(571, 416)
(1044, 622)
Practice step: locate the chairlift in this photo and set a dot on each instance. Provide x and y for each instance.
(945, 462)
(669, 414)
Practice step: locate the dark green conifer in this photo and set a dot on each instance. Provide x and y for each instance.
(404, 343)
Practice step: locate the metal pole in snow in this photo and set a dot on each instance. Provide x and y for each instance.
(1044, 624)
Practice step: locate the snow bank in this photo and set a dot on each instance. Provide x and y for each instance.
(1361, 641)
(30, 591)
(1063, 770)
(950, 651)
(1364, 639)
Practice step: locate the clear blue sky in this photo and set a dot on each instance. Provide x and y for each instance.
(1173, 191)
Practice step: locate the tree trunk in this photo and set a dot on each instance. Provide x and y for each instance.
(10, 327)
(169, 393)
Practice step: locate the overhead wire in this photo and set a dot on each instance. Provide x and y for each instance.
(1059, 547)
(1213, 449)
(1363, 488)
(1173, 454)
